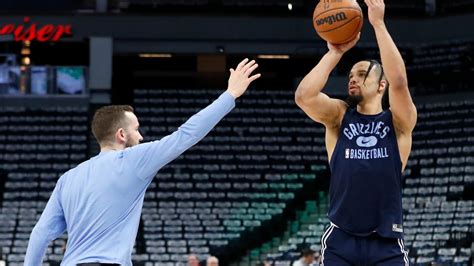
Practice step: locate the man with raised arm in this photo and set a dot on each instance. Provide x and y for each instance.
(99, 202)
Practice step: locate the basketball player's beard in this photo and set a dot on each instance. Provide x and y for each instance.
(354, 100)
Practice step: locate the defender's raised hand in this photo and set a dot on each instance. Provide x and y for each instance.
(376, 11)
(240, 78)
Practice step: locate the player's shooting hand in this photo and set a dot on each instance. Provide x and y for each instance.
(342, 48)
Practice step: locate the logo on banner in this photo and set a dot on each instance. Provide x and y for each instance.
(29, 31)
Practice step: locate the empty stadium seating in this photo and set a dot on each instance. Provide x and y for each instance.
(237, 180)
(241, 181)
(37, 145)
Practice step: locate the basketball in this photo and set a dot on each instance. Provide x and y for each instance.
(337, 21)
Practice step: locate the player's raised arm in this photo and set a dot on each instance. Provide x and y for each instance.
(401, 104)
(309, 97)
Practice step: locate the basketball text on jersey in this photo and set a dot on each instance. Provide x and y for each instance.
(373, 128)
(378, 153)
(366, 136)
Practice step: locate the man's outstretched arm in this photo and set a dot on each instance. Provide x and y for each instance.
(149, 157)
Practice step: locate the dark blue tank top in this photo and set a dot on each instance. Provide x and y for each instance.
(365, 193)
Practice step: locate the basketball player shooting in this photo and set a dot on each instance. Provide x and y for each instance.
(368, 148)
(99, 202)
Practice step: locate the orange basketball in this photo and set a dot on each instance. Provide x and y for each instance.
(337, 21)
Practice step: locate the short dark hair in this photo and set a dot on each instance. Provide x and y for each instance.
(107, 120)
